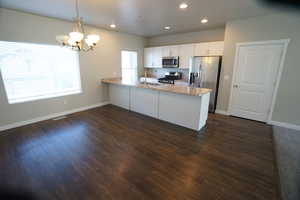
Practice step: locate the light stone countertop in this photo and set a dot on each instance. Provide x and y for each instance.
(179, 89)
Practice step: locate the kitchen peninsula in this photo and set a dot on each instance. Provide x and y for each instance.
(181, 105)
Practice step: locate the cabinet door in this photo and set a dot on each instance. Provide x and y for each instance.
(216, 48)
(166, 51)
(201, 49)
(157, 57)
(144, 101)
(148, 58)
(119, 96)
(174, 50)
(186, 52)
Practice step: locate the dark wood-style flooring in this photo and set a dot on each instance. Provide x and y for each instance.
(110, 153)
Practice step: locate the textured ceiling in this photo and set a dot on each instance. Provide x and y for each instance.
(145, 17)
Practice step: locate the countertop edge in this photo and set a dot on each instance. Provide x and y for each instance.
(191, 92)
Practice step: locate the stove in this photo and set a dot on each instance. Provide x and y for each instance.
(170, 77)
(165, 80)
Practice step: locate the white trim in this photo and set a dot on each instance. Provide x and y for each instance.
(285, 43)
(285, 125)
(51, 116)
(221, 112)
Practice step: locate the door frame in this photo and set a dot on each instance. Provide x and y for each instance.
(285, 43)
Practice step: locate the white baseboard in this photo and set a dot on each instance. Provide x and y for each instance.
(222, 112)
(51, 116)
(285, 125)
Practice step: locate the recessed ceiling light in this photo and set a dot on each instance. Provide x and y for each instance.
(204, 21)
(167, 27)
(113, 26)
(183, 6)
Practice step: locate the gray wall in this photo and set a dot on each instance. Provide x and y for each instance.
(104, 62)
(271, 27)
(184, 38)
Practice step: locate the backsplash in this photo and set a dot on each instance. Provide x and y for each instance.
(159, 73)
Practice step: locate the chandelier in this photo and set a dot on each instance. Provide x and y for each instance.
(77, 40)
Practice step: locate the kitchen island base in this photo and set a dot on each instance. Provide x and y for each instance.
(185, 110)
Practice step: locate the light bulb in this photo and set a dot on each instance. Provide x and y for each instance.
(76, 36)
(62, 39)
(72, 42)
(88, 42)
(92, 39)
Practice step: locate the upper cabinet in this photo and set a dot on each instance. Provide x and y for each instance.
(201, 49)
(209, 49)
(186, 52)
(174, 51)
(153, 56)
(148, 58)
(168, 51)
(216, 48)
(157, 57)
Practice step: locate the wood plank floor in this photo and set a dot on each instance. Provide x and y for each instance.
(110, 153)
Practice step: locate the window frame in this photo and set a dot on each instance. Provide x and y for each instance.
(48, 95)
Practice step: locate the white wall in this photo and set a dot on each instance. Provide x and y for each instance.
(185, 38)
(271, 27)
(104, 62)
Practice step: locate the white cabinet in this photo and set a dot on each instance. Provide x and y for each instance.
(186, 52)
(119, 96)
(157, 57)
(148, 58)
(201, 49)
(153, 57)
(174, 50)
(168, 51)
(187, 111)
(184, 110)
(216, 48)
(209, 49)
(144, 101)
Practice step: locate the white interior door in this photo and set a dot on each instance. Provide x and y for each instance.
(254, 80)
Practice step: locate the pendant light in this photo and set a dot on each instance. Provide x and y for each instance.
(77, 39)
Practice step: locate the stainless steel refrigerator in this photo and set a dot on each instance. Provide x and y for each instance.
(205, 73)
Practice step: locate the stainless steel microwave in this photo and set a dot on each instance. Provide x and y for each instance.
(170, 62)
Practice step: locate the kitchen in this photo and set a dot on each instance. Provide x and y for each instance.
(190, 70)
(159, 99)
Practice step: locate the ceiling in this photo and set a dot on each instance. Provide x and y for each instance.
(145, 17)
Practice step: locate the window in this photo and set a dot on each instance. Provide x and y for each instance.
(33, 71)
(129, 65)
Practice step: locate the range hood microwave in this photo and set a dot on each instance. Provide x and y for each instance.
(170, 62)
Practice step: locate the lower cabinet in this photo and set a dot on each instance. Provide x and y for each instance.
(144, 101)
(184, 110)
(187, 111)
(119, 96)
